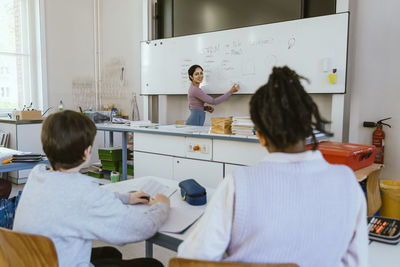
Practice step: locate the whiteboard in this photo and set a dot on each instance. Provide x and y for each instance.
(313, 47)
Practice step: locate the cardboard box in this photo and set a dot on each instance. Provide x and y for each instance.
(221, 125)
(27, 115)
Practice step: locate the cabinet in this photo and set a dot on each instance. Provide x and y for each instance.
(24, 136)
(149, 164)
(204, 158)
(208, 174)
(230, 168)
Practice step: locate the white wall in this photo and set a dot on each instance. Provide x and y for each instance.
(374, 59)
(70, 49)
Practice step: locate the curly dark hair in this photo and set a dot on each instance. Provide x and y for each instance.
(283, 112)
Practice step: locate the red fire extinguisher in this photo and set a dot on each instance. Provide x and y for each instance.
(378, 137)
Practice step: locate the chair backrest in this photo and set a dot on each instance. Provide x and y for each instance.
(20, 249)
(180, 262)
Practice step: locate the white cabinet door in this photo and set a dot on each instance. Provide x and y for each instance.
(28, 138)
(244, 153)
(206, 173)
(160, 144)
(147, 164)
(230, 168)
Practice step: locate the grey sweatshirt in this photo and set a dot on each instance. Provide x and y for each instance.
(72, 210)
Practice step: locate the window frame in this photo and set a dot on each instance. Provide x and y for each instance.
(34, 69)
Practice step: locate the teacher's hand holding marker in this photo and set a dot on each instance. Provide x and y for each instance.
(197, 97)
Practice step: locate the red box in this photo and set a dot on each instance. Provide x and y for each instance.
(353, 155)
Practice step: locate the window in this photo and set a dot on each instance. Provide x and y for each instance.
(20, 82)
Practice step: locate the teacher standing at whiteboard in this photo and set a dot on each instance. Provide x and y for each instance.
(197, 97)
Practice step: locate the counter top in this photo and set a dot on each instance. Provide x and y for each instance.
(187, 131)
(13, 121)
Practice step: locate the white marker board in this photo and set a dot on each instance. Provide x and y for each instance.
(313, 47)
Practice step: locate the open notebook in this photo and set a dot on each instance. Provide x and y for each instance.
(181, 215)
(152, 187)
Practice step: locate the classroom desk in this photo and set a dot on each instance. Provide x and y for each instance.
(379, 254)
(166, 240)
(383, 255)
(10, 167)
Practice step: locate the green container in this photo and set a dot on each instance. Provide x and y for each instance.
(109, 163)
(129, 167)
(95, 174)
(110, 153)
(110, 168)
(114, 177)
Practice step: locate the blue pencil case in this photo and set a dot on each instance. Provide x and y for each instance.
(193, 193)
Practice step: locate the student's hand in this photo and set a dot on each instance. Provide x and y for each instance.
(160, 198)
(139, 197)
(209, 109)
(235, 88)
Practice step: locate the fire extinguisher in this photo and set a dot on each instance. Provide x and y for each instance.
(378, 137)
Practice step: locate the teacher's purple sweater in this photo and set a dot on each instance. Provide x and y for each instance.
(197, 98)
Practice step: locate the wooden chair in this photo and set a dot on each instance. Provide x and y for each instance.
(20, 250)
(180, 262)
(374, 201)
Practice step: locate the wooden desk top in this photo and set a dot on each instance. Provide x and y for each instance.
(363, 173)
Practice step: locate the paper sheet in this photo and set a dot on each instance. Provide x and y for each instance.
(152, 187)
(180, 219)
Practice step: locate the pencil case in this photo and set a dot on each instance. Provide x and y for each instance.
(193, 193)
(385, 230)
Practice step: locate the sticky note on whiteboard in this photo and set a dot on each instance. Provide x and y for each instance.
(332, 78)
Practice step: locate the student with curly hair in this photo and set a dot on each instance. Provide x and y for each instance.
(292, 207)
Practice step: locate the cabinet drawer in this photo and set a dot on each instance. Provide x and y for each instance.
(161, 144)
(206, 173)
(147, 164)
(243, 153)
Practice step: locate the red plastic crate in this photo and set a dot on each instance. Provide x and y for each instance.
(353, 155)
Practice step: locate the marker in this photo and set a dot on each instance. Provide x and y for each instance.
(376, 225)
(389, 228)
(371, 223)
(7, 161)
(334, 70)
(393, 230)
(380, 228)
(142, 197)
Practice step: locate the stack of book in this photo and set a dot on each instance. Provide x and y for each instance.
(26, 158)
(221, 125)
(242, 126)
(110, 158)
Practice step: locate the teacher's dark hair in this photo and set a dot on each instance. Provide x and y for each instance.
(283, 112)
(192, 69)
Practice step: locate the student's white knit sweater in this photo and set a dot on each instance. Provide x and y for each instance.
(290, 208)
